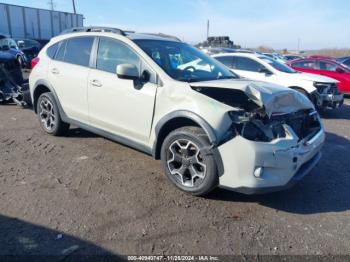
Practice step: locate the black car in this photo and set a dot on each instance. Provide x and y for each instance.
(12, 85)
(9, 45)
(29, 47)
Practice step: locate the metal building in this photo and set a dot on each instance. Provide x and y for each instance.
(40, 24)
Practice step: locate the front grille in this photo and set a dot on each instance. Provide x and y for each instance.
(304, 123)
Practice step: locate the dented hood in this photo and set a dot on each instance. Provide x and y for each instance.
(273, 98)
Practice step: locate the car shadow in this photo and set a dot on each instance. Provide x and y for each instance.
(340, 113)
(76, 132)
(25, 241)
(325, 189)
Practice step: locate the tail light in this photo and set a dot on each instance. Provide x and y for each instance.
(34, 62)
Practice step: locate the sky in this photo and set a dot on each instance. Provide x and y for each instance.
(250, 23)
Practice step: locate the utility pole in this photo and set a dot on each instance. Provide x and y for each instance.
(208, 28)
(74, 10)
(299, 45)
(51, 4)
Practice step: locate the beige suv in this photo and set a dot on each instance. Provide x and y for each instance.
(168, 99)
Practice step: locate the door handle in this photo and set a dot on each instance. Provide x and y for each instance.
(55, 71)
(96, 83)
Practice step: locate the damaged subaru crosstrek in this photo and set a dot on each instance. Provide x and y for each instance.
(208, 127)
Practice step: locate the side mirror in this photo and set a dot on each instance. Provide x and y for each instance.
(146, 76)
(127, 71)
(265, 71)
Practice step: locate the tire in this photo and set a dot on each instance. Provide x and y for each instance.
(49, 116)
(187, 163)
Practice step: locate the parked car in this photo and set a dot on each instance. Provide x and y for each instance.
(326, 67)
(217, 50)
(208, 127)
(12, 86)
(319, 89)
(292, 57)
(275, 57)
(29, 47)
(9, 45)
(344, 61)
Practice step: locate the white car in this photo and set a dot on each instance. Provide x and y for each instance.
(208, 127)
(319, 89)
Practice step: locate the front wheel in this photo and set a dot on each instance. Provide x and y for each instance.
(187, 161)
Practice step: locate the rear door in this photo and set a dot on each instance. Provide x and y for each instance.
(120, 106)
(68, 74)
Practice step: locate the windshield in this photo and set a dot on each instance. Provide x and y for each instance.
(277, 65)
(183, 62)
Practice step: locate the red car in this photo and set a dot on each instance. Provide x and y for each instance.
(326, 67)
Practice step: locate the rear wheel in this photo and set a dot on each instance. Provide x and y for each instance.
(49, 116)
(186, 161)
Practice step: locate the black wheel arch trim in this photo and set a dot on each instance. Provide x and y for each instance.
(48, 86)
(202, 123)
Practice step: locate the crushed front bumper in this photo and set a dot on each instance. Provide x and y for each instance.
(281, 163)
(331, 100)
(328, 96)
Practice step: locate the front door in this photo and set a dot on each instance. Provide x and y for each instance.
(120, 106)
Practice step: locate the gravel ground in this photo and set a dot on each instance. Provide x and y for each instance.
(84, 194)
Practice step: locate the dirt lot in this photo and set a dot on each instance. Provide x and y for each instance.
(84, 194)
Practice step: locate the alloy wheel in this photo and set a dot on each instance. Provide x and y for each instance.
(185, 163)
(47, 114)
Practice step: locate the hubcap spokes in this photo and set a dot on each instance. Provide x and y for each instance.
(185, 162)
(47, 114)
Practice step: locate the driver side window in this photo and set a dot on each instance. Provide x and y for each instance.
(246, 64)
(328, 66)
(112, 53)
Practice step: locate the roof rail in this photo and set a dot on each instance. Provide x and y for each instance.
(165, 36)
(94, 29)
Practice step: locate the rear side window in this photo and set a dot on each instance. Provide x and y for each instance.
(78, 51)
(51, 51)
(246, 64)
(328, 66)
(305, 64)
(226, 60)
(61, 51)
(112, 53)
